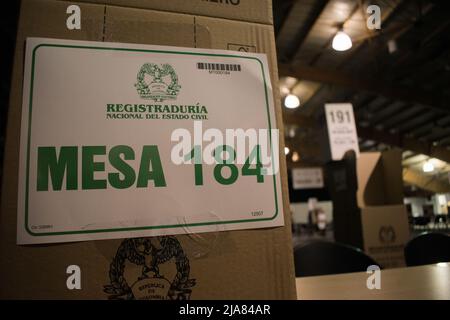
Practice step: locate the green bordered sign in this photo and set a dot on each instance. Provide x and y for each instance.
(103, 125)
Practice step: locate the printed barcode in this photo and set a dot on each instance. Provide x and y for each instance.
(218, 66)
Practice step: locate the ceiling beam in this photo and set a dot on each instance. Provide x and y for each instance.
(406, 143)
(415, 121)
(425, 182)
(291, 47)
(387, 113)
(281, 10)
(410, 95)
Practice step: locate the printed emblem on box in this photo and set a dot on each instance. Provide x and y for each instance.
(150, 253)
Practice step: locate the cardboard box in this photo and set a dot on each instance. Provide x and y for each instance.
(385, 232)
(259, 11)
(383, 215)
(249, 264)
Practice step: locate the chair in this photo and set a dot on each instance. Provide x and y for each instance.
(322, 257)
(428, 248)
(421, 221)
(440, 221)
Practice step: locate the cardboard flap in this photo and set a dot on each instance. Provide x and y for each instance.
(366, 165)
(392, 171)
(380, 178)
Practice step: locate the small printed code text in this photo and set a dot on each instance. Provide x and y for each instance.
(218, 66)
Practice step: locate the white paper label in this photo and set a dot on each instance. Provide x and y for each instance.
(307, 178)
(97, 156)
(341, 129)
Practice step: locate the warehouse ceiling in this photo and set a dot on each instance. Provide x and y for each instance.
(400, 96)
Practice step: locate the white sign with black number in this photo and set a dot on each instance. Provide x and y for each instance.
(341, 129)
(307, 178)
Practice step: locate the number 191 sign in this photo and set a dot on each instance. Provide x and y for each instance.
(341, 129)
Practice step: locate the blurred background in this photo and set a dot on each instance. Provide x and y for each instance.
(396, 77)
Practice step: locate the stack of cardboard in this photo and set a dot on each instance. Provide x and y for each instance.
(224, 265)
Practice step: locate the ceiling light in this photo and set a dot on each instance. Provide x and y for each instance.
(428, 167)
(291, 133)
(392, 46)
(291, 101)
(286, 150)
(289, 81)
(341, 41)
(284, 90)
(295, 157)
(442, 199)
